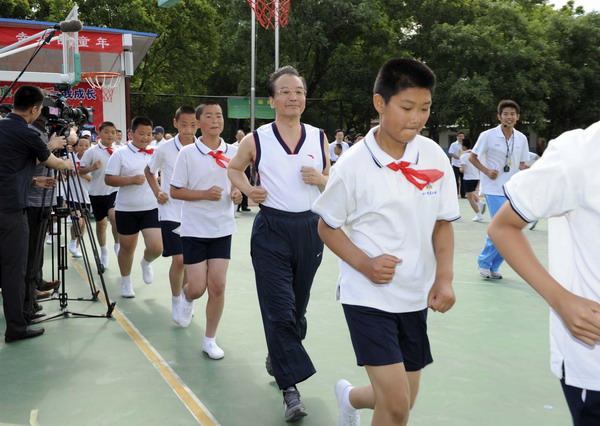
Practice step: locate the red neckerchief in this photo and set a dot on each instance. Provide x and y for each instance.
(426, 176)
(219, 158)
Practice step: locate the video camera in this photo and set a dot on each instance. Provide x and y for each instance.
(60, 116)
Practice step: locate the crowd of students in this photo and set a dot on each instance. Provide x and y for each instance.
(390, 225)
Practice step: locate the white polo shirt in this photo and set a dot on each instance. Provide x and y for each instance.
(345, 147)
(456, 148)
(97, 185)
(564, 182)
(164, 159)
(383, 212)
(196, 169)
(127, 162)
(471, 172)
(79, 193)
(279, 168)
(492, 149)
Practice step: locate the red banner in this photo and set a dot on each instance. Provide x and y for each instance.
(88, 40)
(78, 95)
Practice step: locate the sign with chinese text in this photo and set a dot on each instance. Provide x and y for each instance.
(240, 108)
(88, 40)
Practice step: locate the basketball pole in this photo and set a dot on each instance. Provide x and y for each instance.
(252, 65)
(276, 35)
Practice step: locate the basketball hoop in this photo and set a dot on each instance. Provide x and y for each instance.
(106, 82)
(270, 11)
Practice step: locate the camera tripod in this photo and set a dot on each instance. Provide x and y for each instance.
(71, 187)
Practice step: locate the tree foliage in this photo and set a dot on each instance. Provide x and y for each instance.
(481, 50)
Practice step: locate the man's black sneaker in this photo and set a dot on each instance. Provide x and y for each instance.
(294, 408)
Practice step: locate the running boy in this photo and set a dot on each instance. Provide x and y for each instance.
(169, 209)
(78, 197)
(470, 180)
(569, 171)
(396, 252)
(207, 220)
(102, 196)
(136, 207)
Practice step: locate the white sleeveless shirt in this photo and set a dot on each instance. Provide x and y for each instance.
(278, 168)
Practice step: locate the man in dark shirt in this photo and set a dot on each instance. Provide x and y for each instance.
(20, 147)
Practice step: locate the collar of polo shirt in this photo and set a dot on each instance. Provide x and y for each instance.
(382, 158)
(205, 150)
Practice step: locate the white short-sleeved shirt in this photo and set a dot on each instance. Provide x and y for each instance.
(79, 193)
(196, 169)
(164, 159)
(456, 148)
(345, 147)
(129, 161)
(564, 182)
(279, 169)
(471, 172)
(383, 212)
(97, 185)
(491, 150)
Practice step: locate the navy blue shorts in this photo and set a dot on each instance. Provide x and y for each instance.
(385, 338)
(101, 204)
(196, 250)
(470, 185)
(129, 223)
(585, 412)
(171, 241)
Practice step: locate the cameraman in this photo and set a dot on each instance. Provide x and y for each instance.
(20, 147)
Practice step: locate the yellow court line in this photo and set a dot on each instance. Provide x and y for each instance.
(191, 401)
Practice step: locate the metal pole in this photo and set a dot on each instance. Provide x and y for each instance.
(276, 35)
(253, 67)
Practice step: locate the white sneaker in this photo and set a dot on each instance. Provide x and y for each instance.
(49, 239)
(213, 350)
(127, 289)
(348, 416)
(485, 273)
(482, 207)
(477, 218)
(73, 248)
(77, 253)
(175, 311)
(147, 272)
(186, 310)
(495, 275)
(104, 260)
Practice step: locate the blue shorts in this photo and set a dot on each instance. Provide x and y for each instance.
(130, 223)
(101, 204)
(385, 338)
(196, 250)
(171, 240)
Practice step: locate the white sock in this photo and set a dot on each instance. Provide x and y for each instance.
(208, 340)
(145, 263)
(126, 280)
(103, 250)
(175, 300)
(73, 242)
(346, 399)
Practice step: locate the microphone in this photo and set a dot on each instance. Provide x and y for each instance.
(72, 26)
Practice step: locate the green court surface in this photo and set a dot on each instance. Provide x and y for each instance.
(491, 353)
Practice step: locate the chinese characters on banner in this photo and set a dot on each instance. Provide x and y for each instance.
(88, 40)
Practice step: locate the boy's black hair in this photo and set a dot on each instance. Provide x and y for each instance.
(460, 133)
(507, 103)
(400, 74)
(106, 124)
(200, 108)
(339, 130)
(467, 143)
(288, 69)
(28, 96)
(185, 109)
(140, 121)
